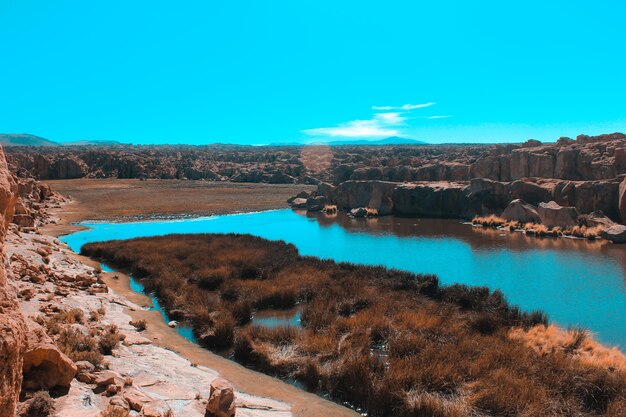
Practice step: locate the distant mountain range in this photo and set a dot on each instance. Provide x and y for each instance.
(23, 139)
(392, 140)
(19, 139)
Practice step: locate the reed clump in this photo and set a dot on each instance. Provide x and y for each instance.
(386, 341)
(539, 230)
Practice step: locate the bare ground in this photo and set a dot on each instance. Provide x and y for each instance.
(126, 200)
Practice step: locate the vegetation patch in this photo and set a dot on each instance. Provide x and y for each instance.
(386, 341)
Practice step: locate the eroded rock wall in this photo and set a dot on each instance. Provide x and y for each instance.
(12, 325)
(584, 159)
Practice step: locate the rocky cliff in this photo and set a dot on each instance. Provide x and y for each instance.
(583, 159)
(12, 324)
(480, 196)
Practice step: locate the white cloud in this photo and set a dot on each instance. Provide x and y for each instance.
(406, 107)
(392, 118)
(355, 129)
(383, 124)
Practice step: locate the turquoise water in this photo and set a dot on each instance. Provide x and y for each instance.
(277, 318)
(137, 286)
(577, 283)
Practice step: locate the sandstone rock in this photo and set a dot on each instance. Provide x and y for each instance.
(151, 411)
(316, 203)
(326, 190)
(299, 203)
(12, 325)
(358, 212)
(622, 200)
(519, 211)
(442, 199)
(373, 194)
(44, 364)
(552, 214)
(530, 192)
(135, 398)
(222, 399)
(616, 234)
(597, 219)
(106, 378)
(118, 401)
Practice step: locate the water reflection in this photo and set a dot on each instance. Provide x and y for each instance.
(278, 318)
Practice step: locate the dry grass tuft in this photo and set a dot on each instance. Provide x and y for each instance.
(41, 405)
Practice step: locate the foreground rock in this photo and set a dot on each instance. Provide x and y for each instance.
(45, 367)
(615, 233)
(222, 399)
(518, 210)
(141, 377)
(12, 325)
(552, 214)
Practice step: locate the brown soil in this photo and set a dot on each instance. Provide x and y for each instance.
(124, 200)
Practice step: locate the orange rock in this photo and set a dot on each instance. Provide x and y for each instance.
(222, 399)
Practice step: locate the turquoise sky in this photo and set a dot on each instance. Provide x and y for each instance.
(259, 72)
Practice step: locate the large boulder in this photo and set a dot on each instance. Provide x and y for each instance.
(316, 203)
(552, 214)
(528, 191)
(221, 400)
(615, 233)
(440, 199)
(298, 203)
(518, 210)
(45, 366)
(373, 194)
(597, 219)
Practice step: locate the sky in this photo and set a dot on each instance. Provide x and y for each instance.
(257, 72)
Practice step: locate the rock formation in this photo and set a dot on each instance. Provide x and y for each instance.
(222, 399)
(45, 367)
(552, 214)
(519, 210)
(12, 325)
(584, 159)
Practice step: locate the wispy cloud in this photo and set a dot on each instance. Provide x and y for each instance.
(405, 107)
(392, 118)
(382, 124)
(355, 129)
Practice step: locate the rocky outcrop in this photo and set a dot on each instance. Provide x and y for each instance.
(45, 366)
(596, 219)
(12, 325)
(552, 214)
(222, 399)
(583, 159)
(519, 210)
(446, 200)
(615, 233)
(481, 196)
(372, 194)
(622, 200)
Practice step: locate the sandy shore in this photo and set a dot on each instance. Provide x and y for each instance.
(254, 383)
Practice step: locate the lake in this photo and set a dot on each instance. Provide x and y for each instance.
(576, 282)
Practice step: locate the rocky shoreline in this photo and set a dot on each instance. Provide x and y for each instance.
(56, 305)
